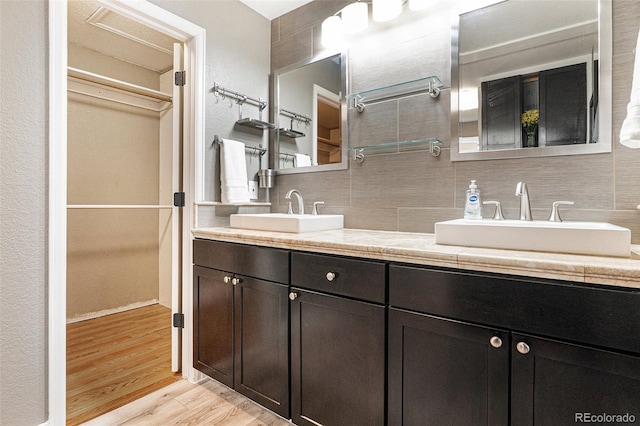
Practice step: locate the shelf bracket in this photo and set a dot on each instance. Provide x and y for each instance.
(358, 155)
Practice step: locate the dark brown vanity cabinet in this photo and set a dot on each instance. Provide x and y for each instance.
(444, 372)
(465, 349)
(337, 341)
(241, 319)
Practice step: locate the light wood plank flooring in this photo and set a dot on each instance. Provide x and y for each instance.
(185, 403)
(116, 359)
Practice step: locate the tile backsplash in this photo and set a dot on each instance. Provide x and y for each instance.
(410, 191)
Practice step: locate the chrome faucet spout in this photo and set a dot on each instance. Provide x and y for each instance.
(525, 204)
(300, 202)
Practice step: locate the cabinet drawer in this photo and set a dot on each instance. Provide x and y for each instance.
(259, 262)
(599, 316)
(360, 279)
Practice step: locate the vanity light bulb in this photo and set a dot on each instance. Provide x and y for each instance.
(386, 10)
(355, 18)
(331, 32)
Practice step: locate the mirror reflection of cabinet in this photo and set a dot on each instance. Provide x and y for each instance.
(574, 105)
(562, 96)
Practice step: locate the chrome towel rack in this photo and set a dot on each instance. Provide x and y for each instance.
(217, 141)
(301, 118)
(239, 97)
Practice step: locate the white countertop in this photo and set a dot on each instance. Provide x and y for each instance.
(421, 249)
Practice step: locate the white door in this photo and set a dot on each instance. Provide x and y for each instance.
(177, 216)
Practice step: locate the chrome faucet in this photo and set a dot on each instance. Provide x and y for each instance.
(525, 205)
(300, 202)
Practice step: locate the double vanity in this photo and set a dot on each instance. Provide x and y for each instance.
(362, 327)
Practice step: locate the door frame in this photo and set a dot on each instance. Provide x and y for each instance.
(194, 38)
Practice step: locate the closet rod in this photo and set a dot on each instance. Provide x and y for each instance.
(118, 84)
(106, 98)
(119, 206)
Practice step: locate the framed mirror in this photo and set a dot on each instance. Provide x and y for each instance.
(310, 114)
(530, 81)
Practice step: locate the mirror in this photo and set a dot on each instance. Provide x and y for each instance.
(531, 81)
(311, 116)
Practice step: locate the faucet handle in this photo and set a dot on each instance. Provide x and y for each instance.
(315, 207)
(498, 215)
(555, 212)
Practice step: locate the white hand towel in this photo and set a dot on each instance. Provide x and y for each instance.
(233, 172)
(302, 160)
(630, 132)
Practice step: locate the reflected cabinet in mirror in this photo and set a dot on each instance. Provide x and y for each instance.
(310, 115)
(531, 80)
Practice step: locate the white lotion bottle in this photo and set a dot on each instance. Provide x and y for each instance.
(473, 203)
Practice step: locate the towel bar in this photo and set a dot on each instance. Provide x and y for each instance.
(217, 141)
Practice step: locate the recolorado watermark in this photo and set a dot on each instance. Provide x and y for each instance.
(604, 418)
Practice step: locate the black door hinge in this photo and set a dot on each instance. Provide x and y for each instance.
(180, 78)
(178, 320)
(178, 199)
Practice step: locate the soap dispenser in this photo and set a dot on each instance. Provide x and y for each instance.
(473, 204)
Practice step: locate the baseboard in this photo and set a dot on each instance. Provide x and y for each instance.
(105, 312)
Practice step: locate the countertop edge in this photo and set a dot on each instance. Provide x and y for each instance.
(420, 249)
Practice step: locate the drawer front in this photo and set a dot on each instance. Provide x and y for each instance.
(601, 316)
(253, 261)
(360, 279)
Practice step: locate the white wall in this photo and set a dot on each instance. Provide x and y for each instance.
(23, 212)
(238, 57)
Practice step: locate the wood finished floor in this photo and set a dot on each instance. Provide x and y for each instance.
(185, 403)
(116, 359)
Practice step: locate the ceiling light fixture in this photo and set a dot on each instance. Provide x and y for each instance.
(354, 18)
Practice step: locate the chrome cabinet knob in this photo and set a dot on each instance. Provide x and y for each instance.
(293, 296)
(523, 348)
(236, 280)
(331, 276)
(496, 342)
(227, 279)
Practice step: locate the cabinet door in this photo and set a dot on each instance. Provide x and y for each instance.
(262, 343)
(443, 372)
(556, 383)
(563, 106)
(213, 324)
(337, 361)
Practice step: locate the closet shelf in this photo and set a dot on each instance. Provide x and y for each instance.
(433, 145)
(111, 89)
(118, 84)
(431, 85)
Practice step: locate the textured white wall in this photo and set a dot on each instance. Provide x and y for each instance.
(23, 212)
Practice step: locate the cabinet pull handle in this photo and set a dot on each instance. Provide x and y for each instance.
(235, 281)
(293, 296)
(331, 276)
(496, 342)
(227, 279)
(523, 348)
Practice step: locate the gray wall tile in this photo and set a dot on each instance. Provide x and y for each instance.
(410, 191)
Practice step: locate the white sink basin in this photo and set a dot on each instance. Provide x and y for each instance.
(595, 238)
(281, 222)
